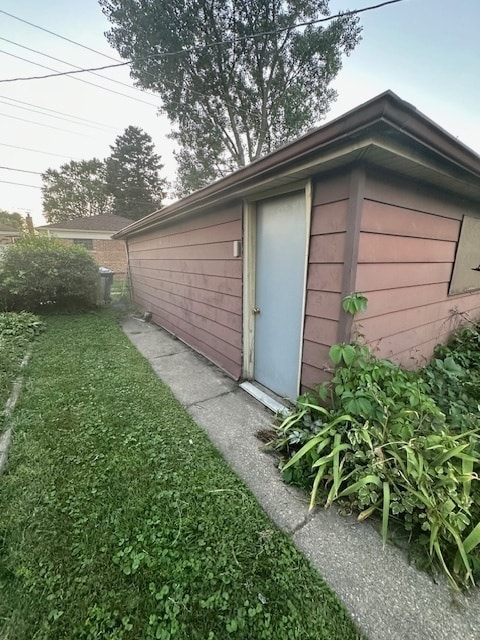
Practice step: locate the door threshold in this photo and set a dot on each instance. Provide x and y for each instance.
(265, 397)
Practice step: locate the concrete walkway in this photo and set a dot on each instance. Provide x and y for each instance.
(387, 598)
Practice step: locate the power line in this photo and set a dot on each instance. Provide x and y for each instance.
(199, 48)
(57, 117)
(21, 184)
(46, 153)
(70, 75)
(57, 35)
(37, 173)
(49, 126)
(60, 113)
(123, 84)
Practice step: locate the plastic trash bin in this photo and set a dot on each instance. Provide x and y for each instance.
(106, 280)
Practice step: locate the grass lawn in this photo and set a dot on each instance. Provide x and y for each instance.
(119, 519)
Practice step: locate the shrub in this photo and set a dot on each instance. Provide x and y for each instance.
(39, 273)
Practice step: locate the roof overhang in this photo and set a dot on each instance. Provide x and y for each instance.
(76, 233)
(385, 132)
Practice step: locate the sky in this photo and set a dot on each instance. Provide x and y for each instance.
(426, 51)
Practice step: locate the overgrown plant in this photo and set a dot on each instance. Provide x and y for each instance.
(453, 377)
(39, 273)
(377, 438)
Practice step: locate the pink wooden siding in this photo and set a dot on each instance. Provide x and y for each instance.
(408, 239)
(185, 274)
(325, 274)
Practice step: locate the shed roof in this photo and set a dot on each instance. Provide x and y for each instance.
(385, 131)
(90, 223)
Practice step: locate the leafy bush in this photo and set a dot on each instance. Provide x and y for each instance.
(38, 273)
(401, 444)
(453, 377)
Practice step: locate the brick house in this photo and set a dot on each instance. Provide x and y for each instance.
(95, 234)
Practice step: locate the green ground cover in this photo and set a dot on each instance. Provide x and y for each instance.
(16, 331)
(119, 519)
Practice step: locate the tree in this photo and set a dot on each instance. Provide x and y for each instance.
(247, 79)
(132, 175)
(14, 220)
(76, 190)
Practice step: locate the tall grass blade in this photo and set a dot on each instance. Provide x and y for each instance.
(316, 483)
(467, 470)
(306, 448)
(371, 479)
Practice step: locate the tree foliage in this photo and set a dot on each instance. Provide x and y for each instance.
(127, 183)
(132, 175)
(14, 220)
(247, 79)
(76, 190)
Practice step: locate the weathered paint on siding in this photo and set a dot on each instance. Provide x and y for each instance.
(325, 276)
(407, 249)
(186, 276)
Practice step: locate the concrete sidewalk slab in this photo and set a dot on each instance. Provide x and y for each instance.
(387, 598)
(231, 423)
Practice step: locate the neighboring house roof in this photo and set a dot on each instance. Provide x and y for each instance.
(91, 223)
(385, 132)
(11, 232)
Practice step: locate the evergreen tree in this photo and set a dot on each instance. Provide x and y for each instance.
(132, 175)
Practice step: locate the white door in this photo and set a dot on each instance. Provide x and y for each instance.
(281, 229)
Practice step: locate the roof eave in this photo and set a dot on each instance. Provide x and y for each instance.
(384, 110)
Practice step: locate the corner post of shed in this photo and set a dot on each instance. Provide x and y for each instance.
(352, 241)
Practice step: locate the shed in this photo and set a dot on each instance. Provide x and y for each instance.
(251, 270)
(95, 234)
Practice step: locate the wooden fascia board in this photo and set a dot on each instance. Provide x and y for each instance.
(370, 120)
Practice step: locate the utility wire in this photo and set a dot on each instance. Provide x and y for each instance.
(62, 113)
(37, 173)
(57, 35)
(198, 93)
(46, 153)
(199, 48)
(81, 124)
(70, 75)
(21, 184)
(49, 126)
(123, 84)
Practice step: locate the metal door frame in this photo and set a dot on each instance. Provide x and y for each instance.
(249, 271)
